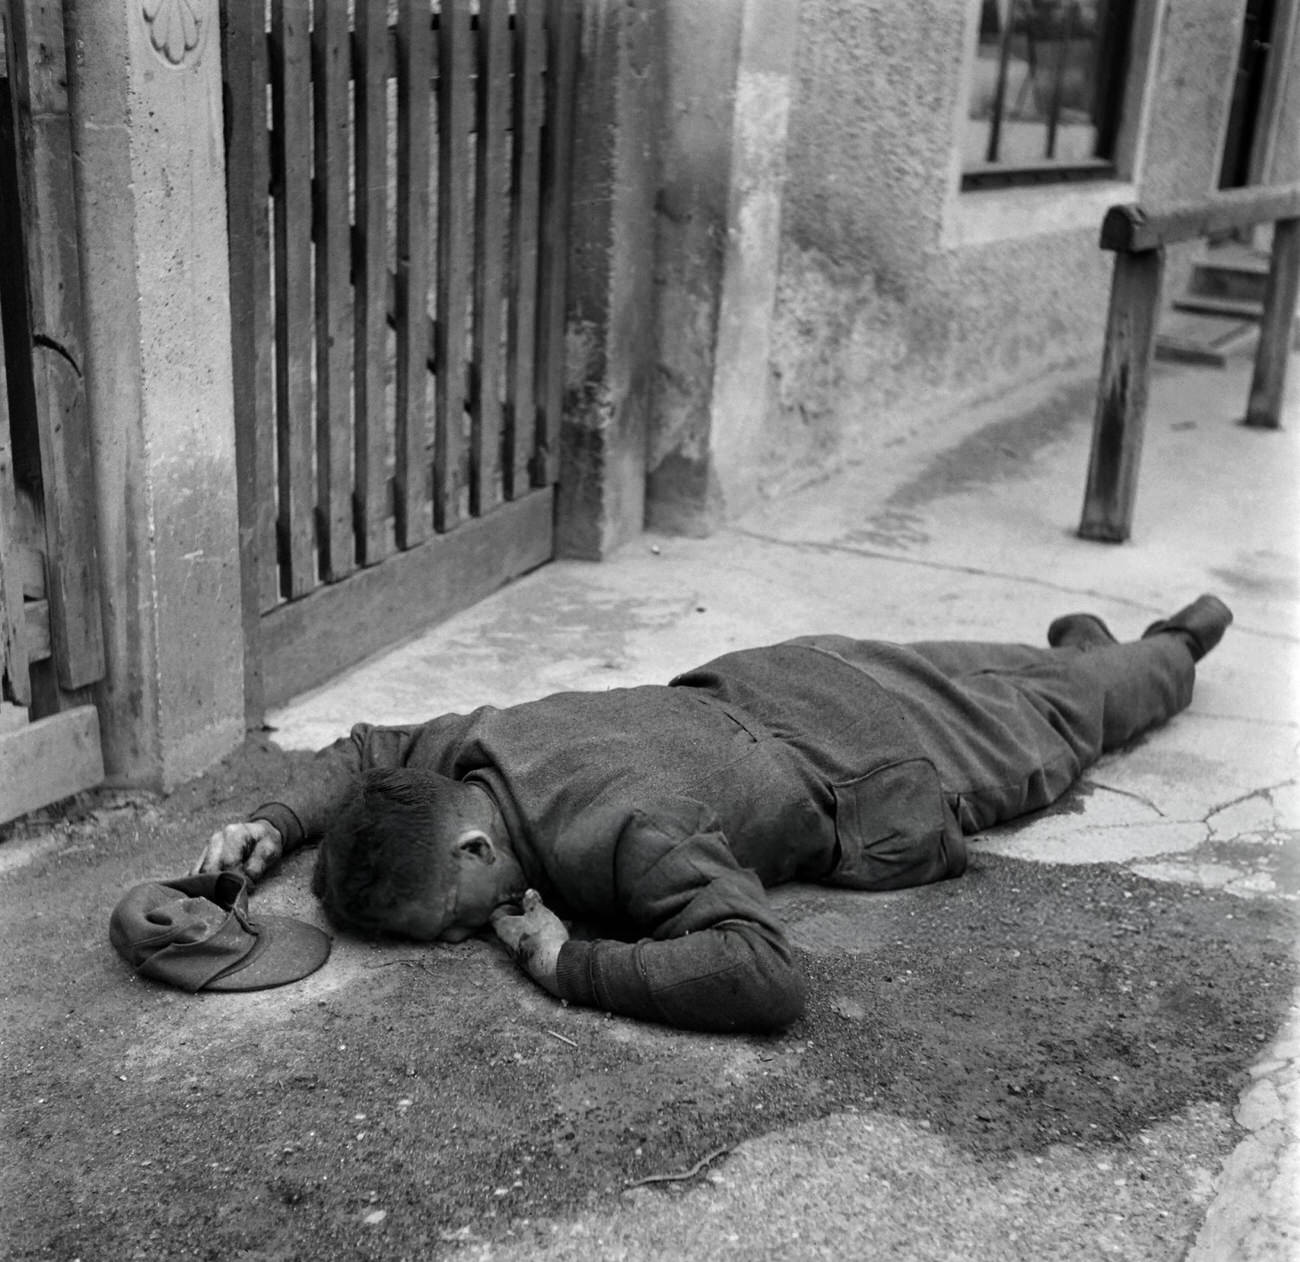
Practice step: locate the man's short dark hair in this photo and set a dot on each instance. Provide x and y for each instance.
(388, 845)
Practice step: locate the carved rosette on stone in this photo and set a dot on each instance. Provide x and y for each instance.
(176, 29)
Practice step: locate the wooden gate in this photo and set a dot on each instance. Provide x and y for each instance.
(397, 211)
(51, 637)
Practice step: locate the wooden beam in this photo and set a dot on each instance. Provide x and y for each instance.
(455, 258)
(370, 263)
(1122, 397)
(15, 684)
(51, 759)
(1133, 228)
(294, 308)
(412, 520)
(519, 422)
(306, 641)
(248, 174)
(335, 317)
(493, 101)
(53, 273)
(563, 32)
(1269, 381)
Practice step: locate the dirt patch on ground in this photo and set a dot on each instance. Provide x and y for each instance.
(436, 1093)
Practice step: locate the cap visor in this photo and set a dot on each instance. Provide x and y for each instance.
(286, 951)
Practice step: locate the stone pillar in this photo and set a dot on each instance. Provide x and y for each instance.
(610, 335)
(147, 118)
(730, 69)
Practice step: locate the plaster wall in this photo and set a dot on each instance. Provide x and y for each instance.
(898, 297)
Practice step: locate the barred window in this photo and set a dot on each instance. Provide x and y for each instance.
(1047, 92)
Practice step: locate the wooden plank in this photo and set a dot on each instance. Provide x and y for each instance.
(12, 717)
(50, 243)
(49, 760)
(561, 56)
(311, 639)
(30, 564)
(15, 683)
(332, 116)
(370, 278)
(493, 103)
(520, 417)
(36, 630)
(1268, 383)
(455, 117)
(1135, 228)
(414, 68)
(291, 183)
(1122, 397)
(248, 177)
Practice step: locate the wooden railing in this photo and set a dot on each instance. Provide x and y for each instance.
(1138, 237)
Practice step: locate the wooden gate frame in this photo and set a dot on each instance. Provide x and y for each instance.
(51, 636)
(289, 636)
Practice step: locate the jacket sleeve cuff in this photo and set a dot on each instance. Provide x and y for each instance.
(605, 975)
(285, 822)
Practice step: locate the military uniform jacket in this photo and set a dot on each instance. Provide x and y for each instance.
(656, 816)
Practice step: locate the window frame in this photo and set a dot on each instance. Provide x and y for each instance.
(999, 175)
(999, 213)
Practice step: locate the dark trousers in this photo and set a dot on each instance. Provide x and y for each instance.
(1010, 727)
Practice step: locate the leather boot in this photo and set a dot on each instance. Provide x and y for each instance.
(1201, 624)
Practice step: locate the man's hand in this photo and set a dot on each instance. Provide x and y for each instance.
(534, 938)
(255, 846)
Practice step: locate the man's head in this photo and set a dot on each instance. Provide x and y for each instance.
(416, 854)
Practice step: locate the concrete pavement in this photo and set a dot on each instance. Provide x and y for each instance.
(973, 542)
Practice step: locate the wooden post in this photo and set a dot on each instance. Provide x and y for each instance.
(1122, 396)
(1275, 331)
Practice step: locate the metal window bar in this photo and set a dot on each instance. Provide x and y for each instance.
(1108, 70)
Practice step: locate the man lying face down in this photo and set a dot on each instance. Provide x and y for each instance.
(657, 815)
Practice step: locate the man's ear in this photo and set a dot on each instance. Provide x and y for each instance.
(475, 844)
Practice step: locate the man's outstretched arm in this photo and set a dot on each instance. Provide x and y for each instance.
(715, 957)
(316, 793)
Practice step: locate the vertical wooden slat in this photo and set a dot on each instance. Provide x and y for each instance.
(561, 56)
(370, 273)
(248, 178)
(295, 418)
(50, 247)
(489, 262)
(1268, 382)
(1122, 396)
(454, 257)
(520, 419)
(15, 685)
(414, 70)
(331, 84)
